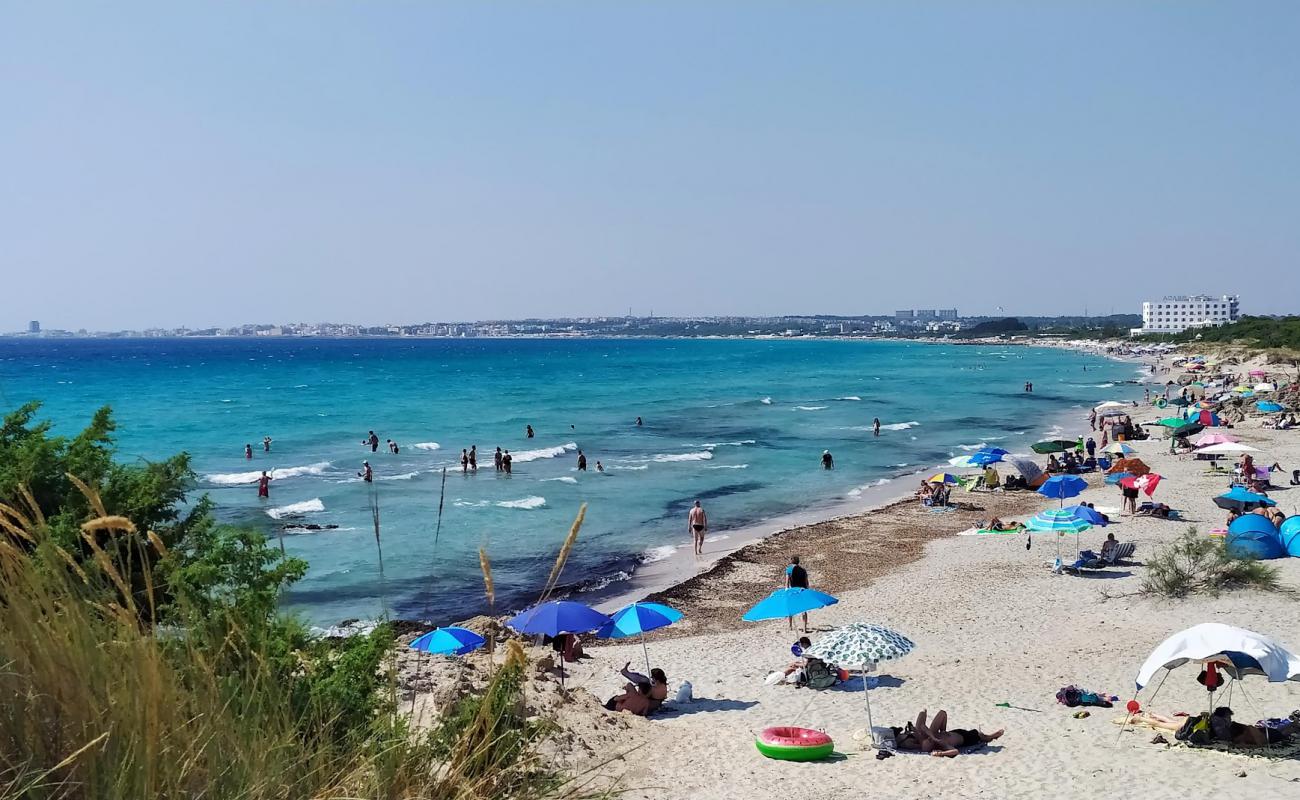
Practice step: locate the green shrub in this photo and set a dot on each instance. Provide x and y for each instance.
(1195, 564)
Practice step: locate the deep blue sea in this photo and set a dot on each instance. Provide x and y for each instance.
(740, 424)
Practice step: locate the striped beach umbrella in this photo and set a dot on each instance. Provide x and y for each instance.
(1059, 521)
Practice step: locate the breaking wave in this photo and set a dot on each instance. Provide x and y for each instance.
(544, 452)
(899, 426)
(427, 446)
(525, 503)
(296, 509)
(238, 478)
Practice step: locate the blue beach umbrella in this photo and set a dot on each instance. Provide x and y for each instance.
(1268, 406)
(636, 620)
(1116, 477)
(1089, 515)
(557, 617)
(1241, 499)
(987, 456)
(449, 641)
(788, 602)
(1062, 486)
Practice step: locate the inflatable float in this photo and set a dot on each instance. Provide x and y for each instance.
(794, 744)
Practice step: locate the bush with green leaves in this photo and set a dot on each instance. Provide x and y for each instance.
(1194, 564)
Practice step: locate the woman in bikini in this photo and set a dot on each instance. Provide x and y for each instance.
(936, 739)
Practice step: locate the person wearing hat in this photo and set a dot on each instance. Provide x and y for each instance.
(366, 474)
(827, 461)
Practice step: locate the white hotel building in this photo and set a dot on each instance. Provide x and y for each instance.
(1178, 313)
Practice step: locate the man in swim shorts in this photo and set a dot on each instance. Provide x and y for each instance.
(698, 522)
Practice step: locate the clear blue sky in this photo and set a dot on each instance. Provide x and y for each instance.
(190, 163)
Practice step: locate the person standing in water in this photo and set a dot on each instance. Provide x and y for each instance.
(392, 447)
(827, 461)
(496, 459)
(373, 441)
(264, 485)
(698, 522)
(464, 460)
(582, 462)
(248, 452)
(473, 458)
(599, 466)
(366, 474)
(505, 461)
(266, 444)
(638, 422)
(528, 429)
(875, 426)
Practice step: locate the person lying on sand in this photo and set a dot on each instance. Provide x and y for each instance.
(1223, 729)
(936, 739)
(996, 524)
(635, 699)
(658, 682)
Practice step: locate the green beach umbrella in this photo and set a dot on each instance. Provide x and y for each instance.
(1053, 446)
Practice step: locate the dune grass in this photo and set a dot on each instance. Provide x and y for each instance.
(1194, 564)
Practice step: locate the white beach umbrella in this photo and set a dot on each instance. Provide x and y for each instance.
(1263, 387)
(1227, 448)
(1109, 404)
(1236, 651)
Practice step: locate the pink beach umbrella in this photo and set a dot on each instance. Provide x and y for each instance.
(1207, 439)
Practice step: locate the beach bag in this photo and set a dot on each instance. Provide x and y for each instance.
(819, 675)
(1196, 730)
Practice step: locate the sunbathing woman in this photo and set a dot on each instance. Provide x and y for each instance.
(658, 682)
(936, 739)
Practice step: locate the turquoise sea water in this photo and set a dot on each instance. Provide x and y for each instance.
(738, 424)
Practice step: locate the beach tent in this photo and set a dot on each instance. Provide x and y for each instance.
(1203, 417)
(637, 620)
(1025, 466)
(861, 647)
(1254, 536)
(1289, 535)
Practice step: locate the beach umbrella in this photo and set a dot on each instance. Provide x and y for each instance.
(1147, 483)
(448, 641)
(1113, 478)
(1264, 387)
(1235, 651)
(1110, 404)
(788, 602)
(1052, 446)
(636, 620)
(1204, 417)
(1118, 449)
(1133, 466)
(942, 477)
(1257, 373)
(1187, 430)
(1062, 486)
(861, 647)
(1180, 401)
(1088, 515)
(1171, 422)
(1207, 439)
(1024, 465)
(1060, 522)
(1226, 448)
(556, 617)
(1269, 407)
(1240, 499)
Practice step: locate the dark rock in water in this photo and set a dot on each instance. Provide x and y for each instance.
(308, 526)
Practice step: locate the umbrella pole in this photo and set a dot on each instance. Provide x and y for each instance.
(866, 697)
(647, 654)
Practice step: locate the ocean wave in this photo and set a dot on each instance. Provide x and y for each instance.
(561, 479)
(296, 509)
(544, 452)
(471, 503)
(238, 478)
(969, 447)
(637, 467)
(850, 397)
(712, 445)
(405, 476)
(899, 426)
(669, 458)
(524, 503)
(657, 554)
(427, 446)
(728, 466)
(600, 583)
(808, 408)
(858, 491)
(767, 401)
(301, 386)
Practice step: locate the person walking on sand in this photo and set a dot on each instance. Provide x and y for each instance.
(796, 577)
(264, 485)
(582, 462)
(366, 474)
(698, 522)
(248, 452)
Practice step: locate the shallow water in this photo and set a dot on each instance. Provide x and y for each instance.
(738, 424)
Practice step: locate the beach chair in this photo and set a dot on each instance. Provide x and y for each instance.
(1091, 560)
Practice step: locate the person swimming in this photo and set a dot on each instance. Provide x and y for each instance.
(599, 466)
(638, 422)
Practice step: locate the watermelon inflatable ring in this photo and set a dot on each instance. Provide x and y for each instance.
(794, 744)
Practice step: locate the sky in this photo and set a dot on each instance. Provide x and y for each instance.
(168, 164)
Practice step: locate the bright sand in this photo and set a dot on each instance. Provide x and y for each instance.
(991, 624)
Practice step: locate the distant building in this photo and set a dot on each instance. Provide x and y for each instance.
(948, 314)
(1177, 313)
(34, 326)
(904, 314)
(925, 313)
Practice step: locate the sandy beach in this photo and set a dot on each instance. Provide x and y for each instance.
(992, 624)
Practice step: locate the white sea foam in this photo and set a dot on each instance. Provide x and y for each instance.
(471, 503)
(544, 452)
(668, 458)
(729, 466)
(405, 476)
(711, 445)
(808, 408)
(301, 386)
(525, 503)
(601, 583)
(296, 509)
(858, 491)
(561, 479)
(629, 466)
(899, 426)
(658, 554)
(427, 446)
(969, 447)
(849, 397)
(238, 478)
(767, 401)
